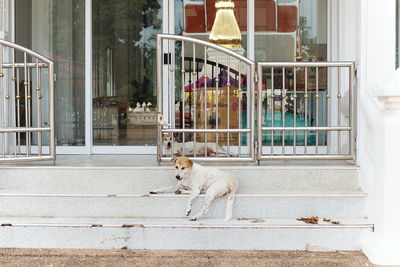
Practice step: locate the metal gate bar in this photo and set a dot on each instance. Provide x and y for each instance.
(336, 123)
(197, 58)
(17, 106)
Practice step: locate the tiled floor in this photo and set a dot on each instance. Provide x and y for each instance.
(151, 161)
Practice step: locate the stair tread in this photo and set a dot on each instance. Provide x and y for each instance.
(245, 192)
(178, 222)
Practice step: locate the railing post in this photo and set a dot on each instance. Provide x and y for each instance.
(159, 97)
(10, 90)
(51, 113)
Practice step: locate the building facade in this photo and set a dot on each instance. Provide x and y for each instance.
(104, 53)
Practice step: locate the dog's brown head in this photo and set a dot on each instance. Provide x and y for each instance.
(183, 165)
(167, 140)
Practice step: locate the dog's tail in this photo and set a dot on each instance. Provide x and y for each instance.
(229, 205)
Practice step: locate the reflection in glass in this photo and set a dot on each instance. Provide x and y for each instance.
(292, 31)
(124, 71)
(56, 29)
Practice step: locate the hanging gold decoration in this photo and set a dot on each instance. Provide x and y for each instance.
(225, 31)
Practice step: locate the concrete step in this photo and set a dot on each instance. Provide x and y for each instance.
(105, 204)
(179, 233)
(265, 203)
(128, 180)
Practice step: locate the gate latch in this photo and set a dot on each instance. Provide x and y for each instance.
(160, 119)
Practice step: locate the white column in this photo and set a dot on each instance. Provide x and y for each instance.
(380, 145)
(379, 128)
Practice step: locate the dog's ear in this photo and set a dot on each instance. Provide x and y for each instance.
(190, 163)
(173, 160)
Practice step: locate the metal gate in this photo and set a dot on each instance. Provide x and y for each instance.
(205, 101)
(27, 105)
(308, 119)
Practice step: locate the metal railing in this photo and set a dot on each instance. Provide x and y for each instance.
(27, 105)
(205, 101)
(306, 110)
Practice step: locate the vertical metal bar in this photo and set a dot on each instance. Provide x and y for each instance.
(183, 96)
(351, 111)
(172, 145)
(205, 100)
(18, 97)
(212, 74)
(305, 109)
(272, 110)
(317, 112)
(339, 96)
(159, 97)
(228, 85)
(194, 98)
(14, 99)
(240, 108)
(3, 135)
(29, 97)
(171, 67)
(8, 117)
(51, 113)
(252, 110)
(216, 100)
(295, 109)
(38, 108)
(259, 109)
(283, 97)
(26, 104)
(328, 113)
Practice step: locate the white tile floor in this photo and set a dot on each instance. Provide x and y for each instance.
(151, 161)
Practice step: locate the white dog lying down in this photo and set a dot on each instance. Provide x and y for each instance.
(200, 179)
(191, 148)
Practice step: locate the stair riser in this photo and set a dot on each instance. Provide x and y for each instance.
(128, 181)
(179, 238)
(174, 206)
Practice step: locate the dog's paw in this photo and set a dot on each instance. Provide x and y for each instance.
(178, 192)
(193, 219)
(188, 212)
(152, 192)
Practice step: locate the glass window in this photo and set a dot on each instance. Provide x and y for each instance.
(195, 18)
(6, 20)
(124, 71)
(56, 29)
(292, 31)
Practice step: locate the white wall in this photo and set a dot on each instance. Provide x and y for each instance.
(378, 128)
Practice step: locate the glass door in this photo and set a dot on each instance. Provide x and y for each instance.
(55, 29)
(124, 75)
